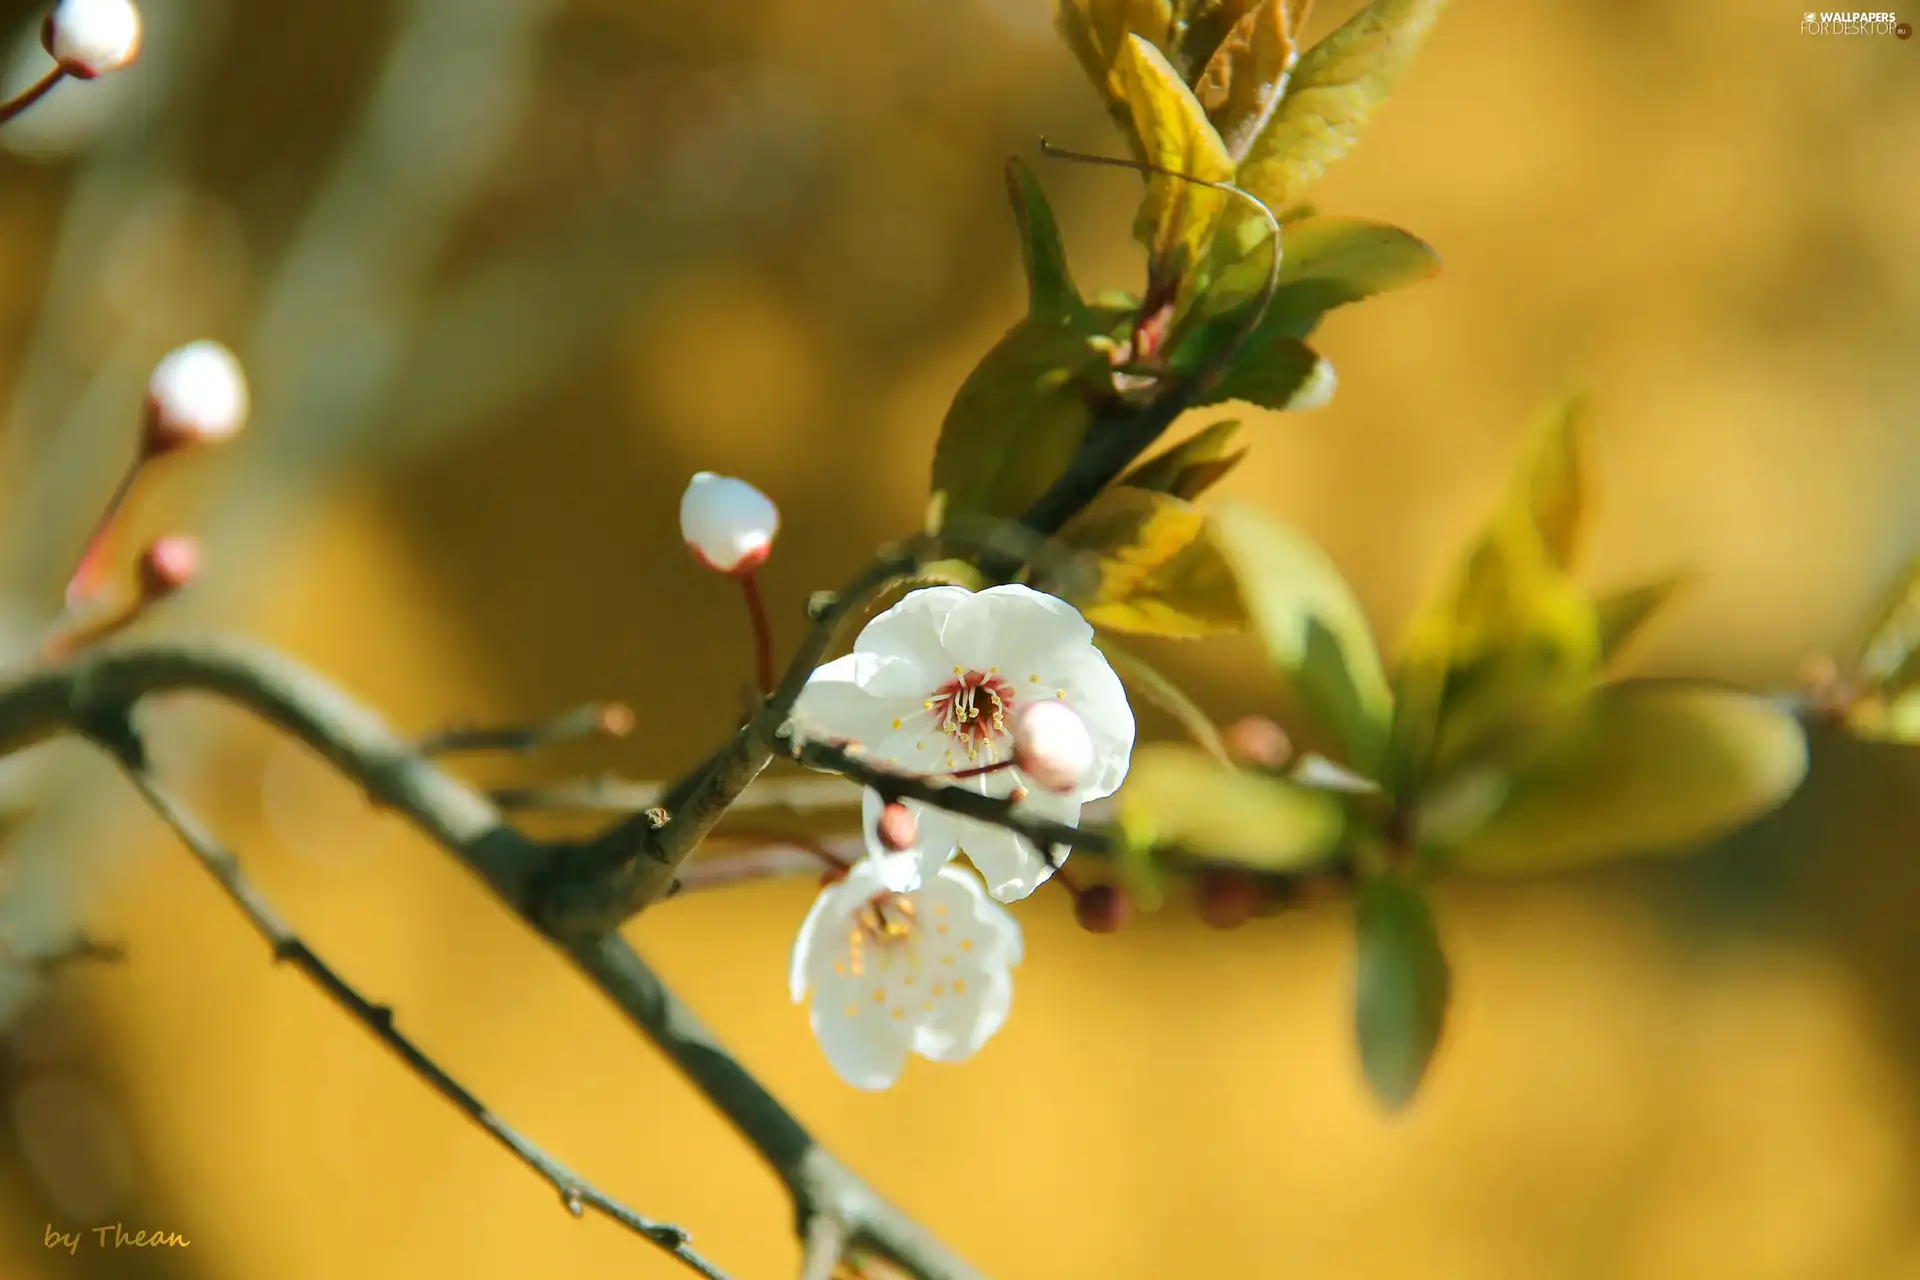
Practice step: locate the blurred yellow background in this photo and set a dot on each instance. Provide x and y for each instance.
(769, 239)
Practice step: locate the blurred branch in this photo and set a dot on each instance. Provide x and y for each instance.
(594, 720)
(117, 736)
(613, 795)
(95, 695)
(32, 94)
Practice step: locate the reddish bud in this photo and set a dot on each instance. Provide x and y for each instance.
(1102, 908)
(896, 828)
(167, 564)
(1258, 741)
(616, 720)
(1229, 897)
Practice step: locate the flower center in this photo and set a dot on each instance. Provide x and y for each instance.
(873, 925)
(972, 708)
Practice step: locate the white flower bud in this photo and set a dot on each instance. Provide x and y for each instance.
(1051, 745)
(87, 37)
(197, 394)
(728, 524)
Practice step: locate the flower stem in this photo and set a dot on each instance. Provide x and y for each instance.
(92, 566)
(38, 90)
(762, 631)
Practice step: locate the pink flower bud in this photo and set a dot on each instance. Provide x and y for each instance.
(727, 523)
(1258, 741)
(88, 37)
(1051, 745)
(167, 564)
(197, 394)
(896, 828)
(1229, 897)
(1101, 908)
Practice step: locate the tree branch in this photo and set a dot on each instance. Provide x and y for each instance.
(118, 738)
(95, 692)
(618, 874)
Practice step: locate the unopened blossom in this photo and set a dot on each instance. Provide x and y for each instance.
(933, 686)
(1051, 745)
(728, 524)
(88, 37)
(196, 395)
(167, 564)
(896, 974)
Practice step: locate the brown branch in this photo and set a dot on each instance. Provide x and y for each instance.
(117, 736)
(594, 720)
(94, 694)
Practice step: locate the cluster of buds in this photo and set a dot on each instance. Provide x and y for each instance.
(197, 395)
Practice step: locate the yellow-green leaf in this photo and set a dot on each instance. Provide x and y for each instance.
(1243, 81)
(1325, 263)
(1314, 630)
(1401, 988)
(1275, 373)
(1175, 797)
(1876, 719)
(1097, 31)
(1147, 681)
(1016, 422)
(1889, 659)
(1051, 295)
(1159, 572)
(1511, 639)
(1652, 767)
(1191, 467)
(1178, 216)
(1334, 91)
(1622, 615)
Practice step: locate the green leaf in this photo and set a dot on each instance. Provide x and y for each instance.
(1243, 81)
(1325, 263)
(1334, 91)
(1051, 295)
(1623, 615)
(1277, 373)
(1017, 421)
(1510, 640)
(1315, 632)
(1889, 657)
(1176, 798)
(1159, 571)
(1178, 216)
(1875, 719)
(1401, 988)
(1148, 682)
(1191, 467)
(1651, 767)
(1096, 31)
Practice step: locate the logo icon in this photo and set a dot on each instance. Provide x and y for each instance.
(1904, 30)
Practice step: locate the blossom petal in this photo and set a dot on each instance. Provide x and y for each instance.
(837, 701)
(864, 1046)
(910, 631)
(1012, 866)
(822, 936)
(1095, 692)
(962, 1024)
(1014, 628)
(933, 846)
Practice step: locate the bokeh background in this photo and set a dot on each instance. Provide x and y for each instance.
(507, 271)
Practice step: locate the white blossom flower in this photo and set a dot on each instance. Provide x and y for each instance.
(932, 687)
(87, 37)
(927, 972)
(727, 523)
(197, 394)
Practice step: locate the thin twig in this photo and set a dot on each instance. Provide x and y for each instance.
(34, 92)
(613, 795)
(79, 949)
(779, 861)
(576, 1194)
(594, 720)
